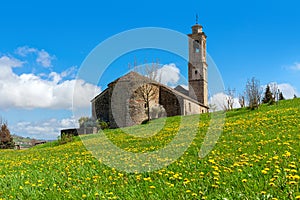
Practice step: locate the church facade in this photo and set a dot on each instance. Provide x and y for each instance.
(123, 102)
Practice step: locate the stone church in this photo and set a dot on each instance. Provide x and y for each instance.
(123, 104)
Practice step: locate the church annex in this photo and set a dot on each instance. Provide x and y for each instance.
(121, 104)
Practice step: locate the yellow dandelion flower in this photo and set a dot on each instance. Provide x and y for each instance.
(272, 184)
(298, 197)
(152, 187)
(296, 177)
(188, 191)
(264, 171)
(244, 180)
(292, 182)
(83, 196)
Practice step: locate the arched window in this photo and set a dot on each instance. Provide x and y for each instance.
(197, 46)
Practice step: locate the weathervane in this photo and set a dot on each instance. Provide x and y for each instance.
(197, 18)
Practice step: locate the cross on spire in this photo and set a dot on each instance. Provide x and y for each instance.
(197, 18)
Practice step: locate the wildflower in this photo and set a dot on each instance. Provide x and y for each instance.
(292, 182)
(272, 184)
(152, 187)
(244, 180)
(83, 196)
(264, 171)
(263, 192)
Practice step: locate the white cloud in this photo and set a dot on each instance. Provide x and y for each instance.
(295, 66)
(25, 50)
(47, 129)
(29, 91)
(288, 90)
(219, 100)
(43, 57)
(169, 74)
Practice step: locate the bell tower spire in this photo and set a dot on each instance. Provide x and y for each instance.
(197, 68)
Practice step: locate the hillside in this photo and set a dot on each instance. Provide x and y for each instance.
(25, 142)
(256, 157)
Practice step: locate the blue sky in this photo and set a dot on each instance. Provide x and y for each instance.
(43, 44)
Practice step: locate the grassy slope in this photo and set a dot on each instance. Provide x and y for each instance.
(257, 156)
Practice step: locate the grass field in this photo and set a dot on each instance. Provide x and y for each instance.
(256, 157)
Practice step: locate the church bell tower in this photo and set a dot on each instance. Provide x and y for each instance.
(197, 68)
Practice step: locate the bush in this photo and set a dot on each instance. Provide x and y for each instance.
(102, 124)
(65, 138)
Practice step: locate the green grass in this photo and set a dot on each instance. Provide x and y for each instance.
(256, 157)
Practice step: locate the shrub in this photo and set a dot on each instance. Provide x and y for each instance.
(65, 138)
(102, 124)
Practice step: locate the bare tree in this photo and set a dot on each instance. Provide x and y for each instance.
(253, 93)
(147, 89)
(212, 107)
(230, 98)
(242, 100)
(274, 90)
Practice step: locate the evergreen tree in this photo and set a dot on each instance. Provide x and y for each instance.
(268, 98)
(281, 97)
(295, 97)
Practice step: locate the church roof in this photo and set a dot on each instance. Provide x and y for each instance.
(180, 91)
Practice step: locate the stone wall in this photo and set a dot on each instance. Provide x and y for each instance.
(170, 102)
(191, 108)
(102, 106)
(137, 105)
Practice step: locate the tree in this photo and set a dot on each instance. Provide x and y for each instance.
(83, 120)
(274, 90)
(295, 96)
(253, 93)
(147, 90)
(281, 97)
(268, 97)
(229, 99)
(6, 140)
(242, 101)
